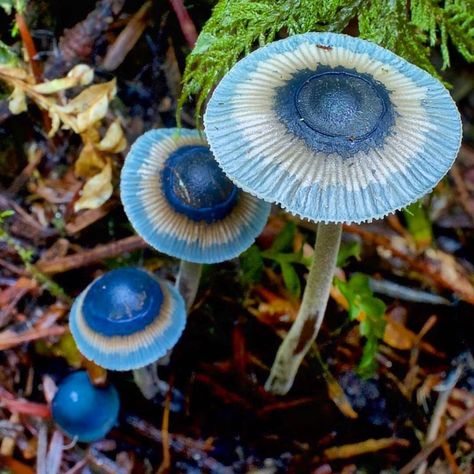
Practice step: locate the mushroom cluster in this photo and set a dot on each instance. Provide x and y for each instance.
(335, 129)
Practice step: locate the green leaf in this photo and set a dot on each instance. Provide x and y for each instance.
(251, 264)
(371, 311)
(7, 56)
(284, 240)
(291, 279)
(348, 250)
(419, 224)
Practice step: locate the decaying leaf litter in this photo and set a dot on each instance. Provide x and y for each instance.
(390, 384)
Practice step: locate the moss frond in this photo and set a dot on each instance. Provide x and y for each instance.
(409, 28)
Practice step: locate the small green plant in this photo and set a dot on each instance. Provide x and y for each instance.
(252, 260)
(409, 28)
(370, 311)
(280, 253)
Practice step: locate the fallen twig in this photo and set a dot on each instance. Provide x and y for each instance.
(88, 257)
(368, 446)
(185, 22)
(452, 429)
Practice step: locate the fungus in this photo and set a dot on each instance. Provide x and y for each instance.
(84, 411)
(335, 129)
(181, 203)
(127, 319)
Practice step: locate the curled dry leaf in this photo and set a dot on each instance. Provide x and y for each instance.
(89, 106)
(90, 161)
(114, 140)
(80, 75)
(17, 101)
(97, 190)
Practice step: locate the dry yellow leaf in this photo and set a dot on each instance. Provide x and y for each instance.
(89, 97)
(79, 75)
(97, 190)
(17, 101)
(93, 114)
(90, 161)
(14, 73)
(114, 140)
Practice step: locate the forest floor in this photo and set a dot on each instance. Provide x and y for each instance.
(60, 178)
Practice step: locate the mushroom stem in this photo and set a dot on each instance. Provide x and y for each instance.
(311, 313)
(187, 281)
(147, 380)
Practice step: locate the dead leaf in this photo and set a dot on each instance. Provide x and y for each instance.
(114, 140)
(97, 190)
(80, 75)
(17, 101)
(90, 162)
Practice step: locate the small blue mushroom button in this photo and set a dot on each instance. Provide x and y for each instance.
(84, 411)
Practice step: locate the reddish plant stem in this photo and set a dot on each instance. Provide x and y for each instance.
(29, 46)
(185, 22)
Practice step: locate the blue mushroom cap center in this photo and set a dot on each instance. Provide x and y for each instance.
(195, 186)
(122, 302)
(340, 104)
(336, 110)
(83, 410)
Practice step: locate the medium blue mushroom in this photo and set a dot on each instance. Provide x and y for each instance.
(84, 411)
(335, 129)
(127, 319)
(181, 203)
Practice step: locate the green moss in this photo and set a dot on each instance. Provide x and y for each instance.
(409, 28)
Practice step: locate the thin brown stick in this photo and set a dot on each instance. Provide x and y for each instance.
(127, 38)
(452, 429)
(463, 194)
(88, 257)
(185, 22)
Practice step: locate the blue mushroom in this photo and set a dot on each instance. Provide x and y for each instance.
(84, 411)
(335, 129)
(126, 319)
(181, 203)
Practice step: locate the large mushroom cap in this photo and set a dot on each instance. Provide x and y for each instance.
(127, 319)
(84, 411)
(179, 200)
(334, 128)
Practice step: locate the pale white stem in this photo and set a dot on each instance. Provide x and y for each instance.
(187, 281)
(311, 313)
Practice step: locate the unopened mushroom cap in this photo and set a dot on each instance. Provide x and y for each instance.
(127, 319)
(334, 128)
(84, 411)
(179, 200)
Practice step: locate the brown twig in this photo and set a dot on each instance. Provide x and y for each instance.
(9, 339)
(452, 429)
(127, 38)
(464, 197)
(88, 257)
(185, 22)
(166, 462)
